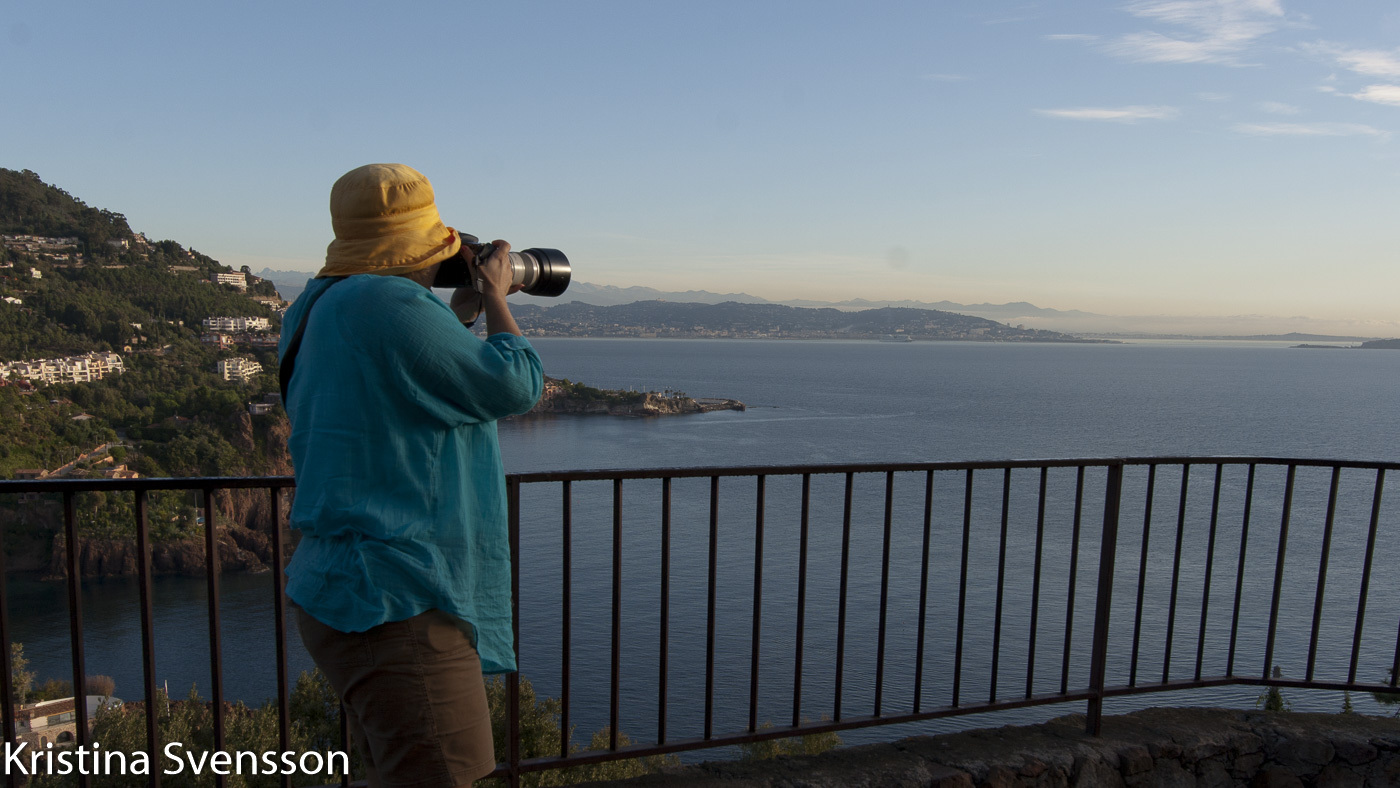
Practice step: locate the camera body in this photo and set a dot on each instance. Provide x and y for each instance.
(539, 272)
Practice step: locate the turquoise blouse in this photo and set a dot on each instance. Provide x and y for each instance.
(400, 495)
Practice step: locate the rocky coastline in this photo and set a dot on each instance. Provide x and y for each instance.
(562, 397)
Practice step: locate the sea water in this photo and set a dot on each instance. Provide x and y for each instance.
(840, 402)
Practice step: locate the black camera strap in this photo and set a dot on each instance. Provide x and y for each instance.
(284, 371)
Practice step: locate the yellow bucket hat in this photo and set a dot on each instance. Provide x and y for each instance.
(386, 222)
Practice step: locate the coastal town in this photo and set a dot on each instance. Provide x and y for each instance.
(732, 320)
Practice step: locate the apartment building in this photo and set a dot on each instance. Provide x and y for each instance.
(239, 369)
(235, 324)
(72, 369)
(38, 243)
(238, 280)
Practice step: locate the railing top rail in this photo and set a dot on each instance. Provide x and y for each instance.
(1228, 459)
(281, 482)
(884, 467)
(794, 470)
(147, 484)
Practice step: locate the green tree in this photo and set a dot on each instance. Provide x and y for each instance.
(1271, 699)
(539, 737)
(1389, 698)
(811, 744)
(21, 678)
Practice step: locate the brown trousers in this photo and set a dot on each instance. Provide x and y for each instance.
(414, 698)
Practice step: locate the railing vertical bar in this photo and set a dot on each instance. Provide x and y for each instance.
(1142, 573)
(1035, 581)
(1239, 571)
(7, 704)
(1108, 549)
(513, 754)
(710, 610)
(615, 679)
(1001, 583)
(566, 614)
(1278, 569)
(75, 624)
(663, 646)
(279, 623)
(216, 654)
(1395, 665)
(1366, 574)
(1210, 564)
(1073, 577)
(757, 602)
(1176, 572)
(148, 632)
(345, 744)
(923, 596)
(801, 600)
(884, 593)
(962, 589)
(1322, 569)
(841, 598)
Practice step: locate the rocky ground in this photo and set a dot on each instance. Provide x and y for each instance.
(1170, 748)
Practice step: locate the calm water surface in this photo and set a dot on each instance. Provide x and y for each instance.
(840, 402)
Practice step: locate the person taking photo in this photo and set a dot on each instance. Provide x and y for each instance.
(402, 576)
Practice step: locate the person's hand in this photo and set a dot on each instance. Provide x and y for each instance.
(492, 273)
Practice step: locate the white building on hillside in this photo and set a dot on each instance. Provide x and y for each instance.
(73, 369)
(234, 324)
(239, 369)
(238, 280)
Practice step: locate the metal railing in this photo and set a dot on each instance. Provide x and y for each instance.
(881, 594)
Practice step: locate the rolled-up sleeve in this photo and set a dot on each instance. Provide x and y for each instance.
(488, 380)
(451, 372)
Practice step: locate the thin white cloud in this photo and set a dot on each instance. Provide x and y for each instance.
(946, 77)
(1371, 62)
(1071, 37)
(1217, 31)
(1310, 130)
(1131, 114)
(1380, 94)
(1278, 108)
(1216, 97)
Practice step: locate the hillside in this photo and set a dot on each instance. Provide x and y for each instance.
(75, 280)
(106, 369)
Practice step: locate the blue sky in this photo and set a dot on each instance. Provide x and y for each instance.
(1186, 157)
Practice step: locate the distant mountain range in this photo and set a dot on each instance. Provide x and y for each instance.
(1016, 313)
(290, 284)
(659, 318)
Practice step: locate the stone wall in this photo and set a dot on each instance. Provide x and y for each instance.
(1160, 748)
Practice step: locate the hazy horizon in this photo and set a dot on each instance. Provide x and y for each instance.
(1191, 158)
(1069, 321)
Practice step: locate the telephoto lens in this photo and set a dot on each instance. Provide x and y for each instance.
(539, 272)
